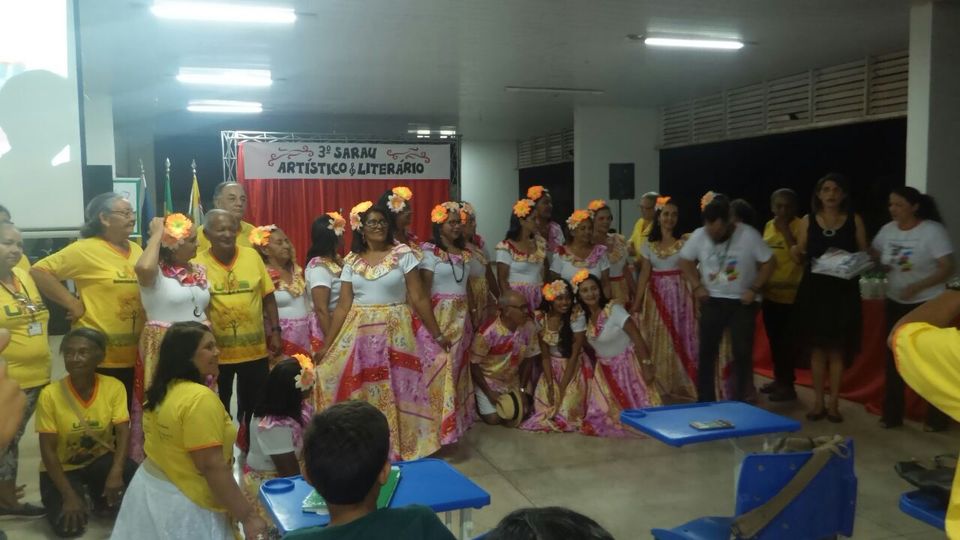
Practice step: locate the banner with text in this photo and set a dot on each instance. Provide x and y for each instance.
(353, 161)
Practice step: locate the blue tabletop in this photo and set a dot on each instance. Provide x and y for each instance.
(671, 424)
(430, 482)
(924, 507)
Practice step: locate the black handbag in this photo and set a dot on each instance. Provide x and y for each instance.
(935, 479)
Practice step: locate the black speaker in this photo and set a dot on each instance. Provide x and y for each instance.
(621, 181)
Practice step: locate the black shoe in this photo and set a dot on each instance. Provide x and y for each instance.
(24, 510)
(783, 394)
(934, 428)
(813, 416)
(890, 424)
(770, 387)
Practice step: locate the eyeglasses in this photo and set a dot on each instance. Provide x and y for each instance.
(124, 213)
(375, 224)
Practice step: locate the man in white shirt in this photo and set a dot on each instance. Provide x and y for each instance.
(734, 264)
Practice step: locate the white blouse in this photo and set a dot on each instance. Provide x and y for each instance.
(318, 275)
(578, 323)
(450, 275)
(565, 264)
(292, 307)
(383, 283)
(524, 269)
(168, 301)
(613, 340)
(659, 262)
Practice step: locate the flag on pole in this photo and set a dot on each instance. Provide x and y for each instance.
(147, 213)
(167, 192)
(195, 209)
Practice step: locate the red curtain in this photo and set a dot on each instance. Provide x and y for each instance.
(292, 205)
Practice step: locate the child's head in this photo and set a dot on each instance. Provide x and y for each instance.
(551, 523)
(280, 396)
(345, 452)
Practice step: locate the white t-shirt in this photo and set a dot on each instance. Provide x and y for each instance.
(264, 443)
(389, 288)
(612, 339)
(912, 256)
(521, 271)
(318, 275)
(291, 307)
(445, 273)
(729, 268)
(168, 301)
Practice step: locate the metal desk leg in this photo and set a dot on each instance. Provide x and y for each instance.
(466, 524)
(448, 520)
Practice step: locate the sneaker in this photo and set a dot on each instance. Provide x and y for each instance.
(24, 510)
(783, 394)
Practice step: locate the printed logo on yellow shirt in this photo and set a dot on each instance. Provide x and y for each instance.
(127, 275)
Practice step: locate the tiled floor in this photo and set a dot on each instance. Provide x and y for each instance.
(630, 486)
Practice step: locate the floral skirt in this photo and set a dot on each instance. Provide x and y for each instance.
(531, 292)
(617, 384)
(669, 325)
(479, 291)
(448, 374)
(250, 484)
(567, 414)
(143, 371)
(297, 335)
(374, 358)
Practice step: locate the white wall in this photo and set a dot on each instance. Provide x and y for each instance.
(490, 180)
(605, 135)
(98, 127)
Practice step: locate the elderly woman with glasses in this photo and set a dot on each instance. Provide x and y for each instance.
(101, 264)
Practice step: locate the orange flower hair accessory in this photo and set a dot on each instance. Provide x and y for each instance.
(579, 278)
(404, 192)
(535, 192)
(552, 290)
(176, 229)
(597, 205)
(439, 214)
(355, 214)
(706, 199)
(260, 236)
(468, 208)
(464, 216)
(523, 207)
(662, 201)
(337, 223)
(578, 217)
(307, 377)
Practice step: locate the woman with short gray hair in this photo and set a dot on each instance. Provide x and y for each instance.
(108, 297)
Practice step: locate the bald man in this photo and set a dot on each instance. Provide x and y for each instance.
(502, 354)
(231, 197)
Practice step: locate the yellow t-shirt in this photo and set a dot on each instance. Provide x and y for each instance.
(236, 304)
(24, 263)
(243, 237)
(107, 407)
(927, 359)
(24, 314)
(641, 230)
(190, 417)
(109, 291)
(783, 283)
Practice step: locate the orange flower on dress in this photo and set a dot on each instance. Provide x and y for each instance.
(439, 214)
(535, 192)
(662, 201)
(307, 377)
(176, 228)
(260, 236)
(403, 191)
(579, 278)
(337, 223)
(706, 199)
(552, 290)
(523, 207)
(578, 217)
(355, 214)
(596, 205)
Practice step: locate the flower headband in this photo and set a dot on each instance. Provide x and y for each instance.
(468, 208)
(578, 217)
(552, 290)
(398, 198)
(523, 207)
(662, 201)
(337, 223)
(260, 236)
(355, 214)
(535, 192)
(706, 199)
(579, 278)
(441, 212)
(596, 205)
(176, 229)
(307, 377)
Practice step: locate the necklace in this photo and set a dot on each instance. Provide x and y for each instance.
(828, 232)
(22, 297)
(453, 269)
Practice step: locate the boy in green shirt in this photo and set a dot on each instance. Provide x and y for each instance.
(346, 459)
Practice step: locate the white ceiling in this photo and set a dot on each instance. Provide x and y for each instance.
(447, 61)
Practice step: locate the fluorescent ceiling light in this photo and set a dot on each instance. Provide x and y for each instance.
(448, 132)
(552, 90)
(423, 132)
(225, 77)
(691, 43)
(224, 106)
(205, 11)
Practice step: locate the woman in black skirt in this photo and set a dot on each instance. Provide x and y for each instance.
(828, 308)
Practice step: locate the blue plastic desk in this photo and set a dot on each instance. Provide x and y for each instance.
(430, 482)
(671, 424)
(924, 507)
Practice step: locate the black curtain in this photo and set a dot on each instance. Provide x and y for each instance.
(556, 178)
(872, 155)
